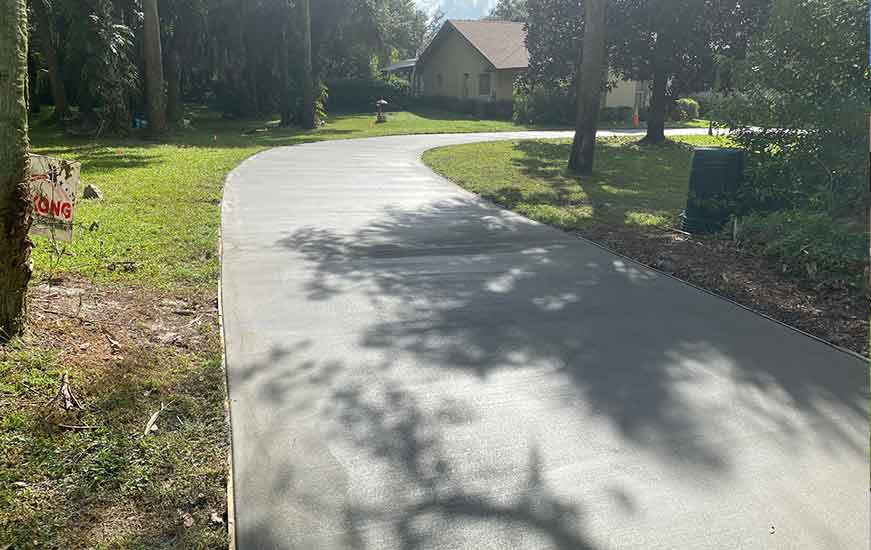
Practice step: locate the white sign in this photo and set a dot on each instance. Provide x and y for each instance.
(54, 185)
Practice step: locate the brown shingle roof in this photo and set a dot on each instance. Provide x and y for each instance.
(503, 43)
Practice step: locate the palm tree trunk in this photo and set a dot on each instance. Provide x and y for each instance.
(589, 83)
(309, 114)
(46, 45)
(15, 208)
(154, 84)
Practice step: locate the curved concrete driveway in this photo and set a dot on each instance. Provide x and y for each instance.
(411, 367)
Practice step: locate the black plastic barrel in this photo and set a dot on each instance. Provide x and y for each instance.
(714, 180)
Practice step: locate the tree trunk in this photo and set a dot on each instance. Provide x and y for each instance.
(15, 208)
(154, 85)
(589, 84)
(284, 72)
(309, 113)
(658, 99)
(32, 85)
(173, 84)
(248, 99)
(46, 46)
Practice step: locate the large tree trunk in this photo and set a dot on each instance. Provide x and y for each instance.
(658, 99)
(284, 72)
(15, 208)
(309, 113)
(46, 45)
(589, 83)
(173, 84)
(248, 99)
(154, 85)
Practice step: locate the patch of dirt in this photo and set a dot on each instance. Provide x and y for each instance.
(88, 322)
(831, 310)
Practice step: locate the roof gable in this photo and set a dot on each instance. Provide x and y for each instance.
(501, 43)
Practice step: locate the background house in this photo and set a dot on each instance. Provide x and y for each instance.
(473, 59)
(403, 69)
(481, 59)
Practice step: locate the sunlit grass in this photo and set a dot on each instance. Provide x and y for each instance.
(631, 184)
(158, 222)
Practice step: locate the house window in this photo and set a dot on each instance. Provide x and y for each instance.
(465, 84)
(439, 81)
(484, 84)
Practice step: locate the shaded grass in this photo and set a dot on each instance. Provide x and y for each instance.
(632, 185)
(106, 486)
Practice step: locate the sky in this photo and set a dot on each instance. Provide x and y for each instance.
(459, 9)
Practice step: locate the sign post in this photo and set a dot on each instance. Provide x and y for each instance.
(54, 185)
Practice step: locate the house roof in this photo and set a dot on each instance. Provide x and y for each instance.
(502, 43)
(400, 65)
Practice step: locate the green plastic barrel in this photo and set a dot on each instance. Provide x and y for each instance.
(714, 180)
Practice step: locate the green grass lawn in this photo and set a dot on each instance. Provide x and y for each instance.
(631, 185)
(161, 210)
(694, 123)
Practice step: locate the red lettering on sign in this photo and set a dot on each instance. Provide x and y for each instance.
(45, 207)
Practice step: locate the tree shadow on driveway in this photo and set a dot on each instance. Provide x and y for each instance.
(491, 355)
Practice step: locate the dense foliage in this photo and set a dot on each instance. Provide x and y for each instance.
(684, 45)
(802, 115)
(244, 56)
(360, 94)
(554, 33)
(806, 84)
(509, 10)
(686, 108)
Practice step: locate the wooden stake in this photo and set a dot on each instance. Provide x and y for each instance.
(65, 394)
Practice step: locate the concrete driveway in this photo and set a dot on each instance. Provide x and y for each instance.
(413, 368)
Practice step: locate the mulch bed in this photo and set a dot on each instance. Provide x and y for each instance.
(832, 310)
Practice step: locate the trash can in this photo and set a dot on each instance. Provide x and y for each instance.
(714, 179)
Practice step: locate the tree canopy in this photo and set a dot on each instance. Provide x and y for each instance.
(245, 56)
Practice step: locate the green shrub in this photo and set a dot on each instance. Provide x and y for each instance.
(804, 123)
(708, 102)
(616, 115)
(686, 109)
(542, 106)
(360, 94)
(499, 110)
(557, 108)
(809, 244)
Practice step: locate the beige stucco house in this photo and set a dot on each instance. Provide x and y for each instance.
(481, 59)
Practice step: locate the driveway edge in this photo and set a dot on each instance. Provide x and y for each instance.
(231, 497)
